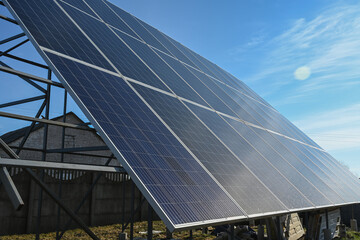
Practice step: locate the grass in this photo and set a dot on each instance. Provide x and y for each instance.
(112, 232)
(352, 235)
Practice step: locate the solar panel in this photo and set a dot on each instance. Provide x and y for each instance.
(201, 146)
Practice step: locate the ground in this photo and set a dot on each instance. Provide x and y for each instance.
(352, 235)
(112, 232)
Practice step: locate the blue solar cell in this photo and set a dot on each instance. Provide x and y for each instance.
(346, 182)
(166, 43)
(109, 16)
(162, 69)
(138, 28)
(284, 183)
(81, 5)
(197, 85)
(243, 186)
(304, 165)
(148, 148)
(52, 29)
(188, 53)
(143, 92)
(236, 107)
(320, 169)
(114, 48)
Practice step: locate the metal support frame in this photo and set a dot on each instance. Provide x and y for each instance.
(28, 165)
(61, 160)
(78, 149)
(133, 212)
(9, 39)
(43, 157)
(232, 232)
(327, 218)
(279, 228)
(150, 223)
(85, 154)
(43, 186)
(7, 18)
(22, 163)
(27, 75)
(25, 100)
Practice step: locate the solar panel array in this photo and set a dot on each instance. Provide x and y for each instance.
(201, 146)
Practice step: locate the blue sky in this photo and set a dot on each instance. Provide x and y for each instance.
(263, 43)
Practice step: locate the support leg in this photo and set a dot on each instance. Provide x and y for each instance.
(45, 139)
(150, 223)
(132, 211)
(279, 229)
(232, 232)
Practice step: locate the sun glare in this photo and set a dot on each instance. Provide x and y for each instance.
(302, 73)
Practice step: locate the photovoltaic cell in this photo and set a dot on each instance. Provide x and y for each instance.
(162, 69)
(236, 107)
(189, 55)
(166, 43)
(304, 165)
(262, 167)
(138, 28)
(176, 180)
(322, 171)
(109, 16)
(80, 5)
(201, 146)
(52, 29)
(114, 48)
(222, 164)
(321, 157)
(197, 85)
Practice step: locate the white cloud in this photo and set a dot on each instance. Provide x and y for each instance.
(328, 44)
(334, 130)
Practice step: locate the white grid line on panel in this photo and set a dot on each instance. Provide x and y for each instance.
(176, 96)
(174, 226)
(199, 70)
(135, 177)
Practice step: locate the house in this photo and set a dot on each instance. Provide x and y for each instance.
(103, 206)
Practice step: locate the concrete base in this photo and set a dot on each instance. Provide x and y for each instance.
(353, 225)
(327, 234)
